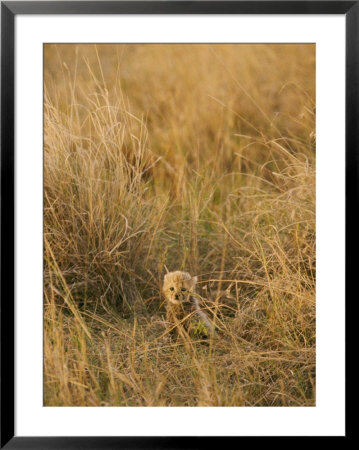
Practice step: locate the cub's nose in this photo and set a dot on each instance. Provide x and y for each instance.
(177, 297)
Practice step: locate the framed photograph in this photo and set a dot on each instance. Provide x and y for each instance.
(175, 178)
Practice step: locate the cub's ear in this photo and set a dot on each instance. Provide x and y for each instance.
(194, 281)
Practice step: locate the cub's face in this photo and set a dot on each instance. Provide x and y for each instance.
(177, 286)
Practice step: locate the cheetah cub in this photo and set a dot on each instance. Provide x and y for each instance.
(178, 288)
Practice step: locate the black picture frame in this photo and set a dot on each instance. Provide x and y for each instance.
(9, 9)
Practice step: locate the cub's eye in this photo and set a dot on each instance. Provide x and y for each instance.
(172, 288)
(183, 289)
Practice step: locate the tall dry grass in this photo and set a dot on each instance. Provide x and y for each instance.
(179, 157)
